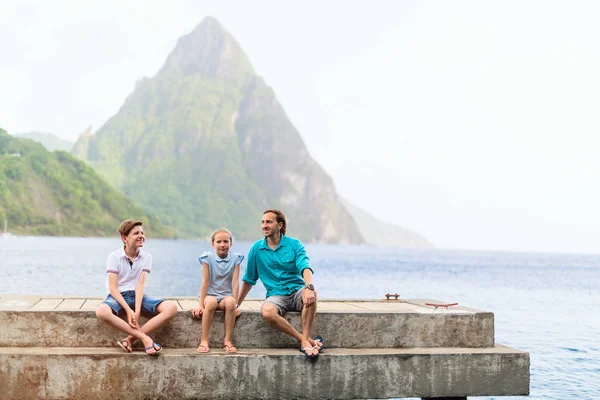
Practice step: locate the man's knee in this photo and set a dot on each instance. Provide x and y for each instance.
(103, 312)
(269, 311)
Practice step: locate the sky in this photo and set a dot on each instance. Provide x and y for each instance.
(473, 123)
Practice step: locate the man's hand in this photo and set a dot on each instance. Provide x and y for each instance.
(197, 312)
(308, 297)
(132, 320)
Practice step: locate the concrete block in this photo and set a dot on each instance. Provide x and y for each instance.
(101, 373)
(361, 326)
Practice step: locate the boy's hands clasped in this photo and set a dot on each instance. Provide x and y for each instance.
(132, 319)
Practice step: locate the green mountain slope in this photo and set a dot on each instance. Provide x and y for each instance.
(53, 193)
(50, 141)
(206, 144)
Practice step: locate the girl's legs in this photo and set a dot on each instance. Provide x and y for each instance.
(105, 314)
(210, 305)
(228, 306)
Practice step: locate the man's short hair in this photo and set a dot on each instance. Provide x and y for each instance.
(279, 217)
(127, 225)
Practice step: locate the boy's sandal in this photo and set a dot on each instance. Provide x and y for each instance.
(154, 344)
(202, 349)
(229, 348)
(124, 344)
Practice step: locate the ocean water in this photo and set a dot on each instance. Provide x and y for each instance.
(546, 304)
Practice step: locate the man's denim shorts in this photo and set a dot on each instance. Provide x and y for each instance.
(149, 304)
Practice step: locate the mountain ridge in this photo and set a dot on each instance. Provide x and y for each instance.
(382, 234)
(49, 140)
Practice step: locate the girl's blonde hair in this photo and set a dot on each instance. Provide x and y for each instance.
(221, 230)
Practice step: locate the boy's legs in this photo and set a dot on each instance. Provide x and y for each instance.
(163, 312)
(210, 305)
(228, 306)
(105, 314)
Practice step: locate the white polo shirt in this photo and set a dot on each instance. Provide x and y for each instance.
(118, 263)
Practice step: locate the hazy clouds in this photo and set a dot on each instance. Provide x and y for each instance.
(473, 123)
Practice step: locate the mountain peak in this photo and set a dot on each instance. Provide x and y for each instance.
(211, 23)
(88, 132)
(210, 50)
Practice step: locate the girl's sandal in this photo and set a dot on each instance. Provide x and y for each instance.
(229, 348)
(202, 349)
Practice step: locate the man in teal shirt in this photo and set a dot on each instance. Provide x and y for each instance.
(281, 263)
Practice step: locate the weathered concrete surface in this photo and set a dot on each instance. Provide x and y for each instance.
(58, 322)
(55, 348)
(101, 373)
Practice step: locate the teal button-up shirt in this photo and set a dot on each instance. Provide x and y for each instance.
(280, 270)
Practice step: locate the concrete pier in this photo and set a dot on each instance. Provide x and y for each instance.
(54, 348)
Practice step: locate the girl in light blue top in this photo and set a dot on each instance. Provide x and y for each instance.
(219, 288)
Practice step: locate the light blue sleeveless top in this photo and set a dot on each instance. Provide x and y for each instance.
(220, 272)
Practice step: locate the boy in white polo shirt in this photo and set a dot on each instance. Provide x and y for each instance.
(127, 269)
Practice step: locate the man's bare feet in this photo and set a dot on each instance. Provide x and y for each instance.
(317, 342)
(308, 348)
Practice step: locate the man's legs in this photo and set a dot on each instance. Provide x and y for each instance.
(308, 316)
(270, 313)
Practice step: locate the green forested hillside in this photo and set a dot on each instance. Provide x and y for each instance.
(44, 193)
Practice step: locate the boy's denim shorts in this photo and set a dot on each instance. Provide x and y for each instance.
(149, 304)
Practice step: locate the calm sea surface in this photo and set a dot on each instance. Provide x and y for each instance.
(546, 304)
